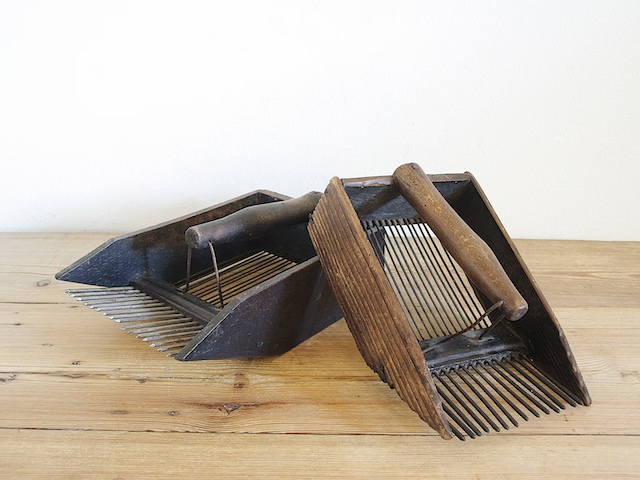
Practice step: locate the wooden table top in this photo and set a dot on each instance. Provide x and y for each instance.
(80, 398)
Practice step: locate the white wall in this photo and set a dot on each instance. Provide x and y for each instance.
(118, 115)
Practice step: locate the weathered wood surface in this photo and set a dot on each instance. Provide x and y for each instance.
(79, 397)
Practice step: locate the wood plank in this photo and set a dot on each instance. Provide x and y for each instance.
(49, 251)
(79, 397)
(78, 454)
(585, 274)
(86, 369)
(35, 336)
(264, 404)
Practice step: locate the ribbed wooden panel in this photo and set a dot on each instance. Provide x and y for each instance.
(370, 306)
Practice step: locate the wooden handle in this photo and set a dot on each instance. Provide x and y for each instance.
(253, 222)
(472, 254)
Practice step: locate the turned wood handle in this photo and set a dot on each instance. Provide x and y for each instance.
(253, 222)
(472, 254)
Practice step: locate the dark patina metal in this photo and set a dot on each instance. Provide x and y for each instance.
(279, 303)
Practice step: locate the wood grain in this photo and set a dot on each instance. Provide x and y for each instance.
(370, 306)
(79, 397)
(80, 454)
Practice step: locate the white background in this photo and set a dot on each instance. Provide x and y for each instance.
(118, 115)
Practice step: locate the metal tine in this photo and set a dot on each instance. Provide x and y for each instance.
(232, 272)
(510, 391)
(255, 278)
(462, 374)
(187, 280)
(254, 273)
(446, 281)
(260, 258)
(156, 305)
(175, 340)
(432, 293)
(473, 403)
(166, 326)
(276, 266)
(437, 328)
(458, 422)
(99, 290)
(130, 313)
(140, 315)
(457, 432)
(504, 363)
(104, 291)
(461, 402)
(107, 307)
(534, 387)
(472, 305)
(461, 386)
(172, 321)
(241, 270)
(178, 334)
(138, 312)
(470, 299)
(168, 336)
(242, 287)
(154, 336)
(538, 385)
(120, 306)
(169, 341)
(379, 251)
(398, 248)
(225, 269)
(493, 398)
(395, 278)
(559, 389)
(216, 272)
(430, 250)
(459, 417)
(145, 317)
(91, 301)
(133, 313)
(494, 364)
(166, 344)
(142, 327)
(176, 347)
(169, 344)
(110, 298)
(125, 304)
(166, 330)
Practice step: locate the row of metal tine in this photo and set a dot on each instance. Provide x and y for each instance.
(494, 393)
(151, 320)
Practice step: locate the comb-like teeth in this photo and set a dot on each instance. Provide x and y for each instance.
(150, 324)
(143, 315)
(172, 350)
(165, 327)
(91, 299)
(479, 396)
(237, 277)
(99, 290)
(178, 332)
(137, 312)
(128, 305)
(167, 341)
